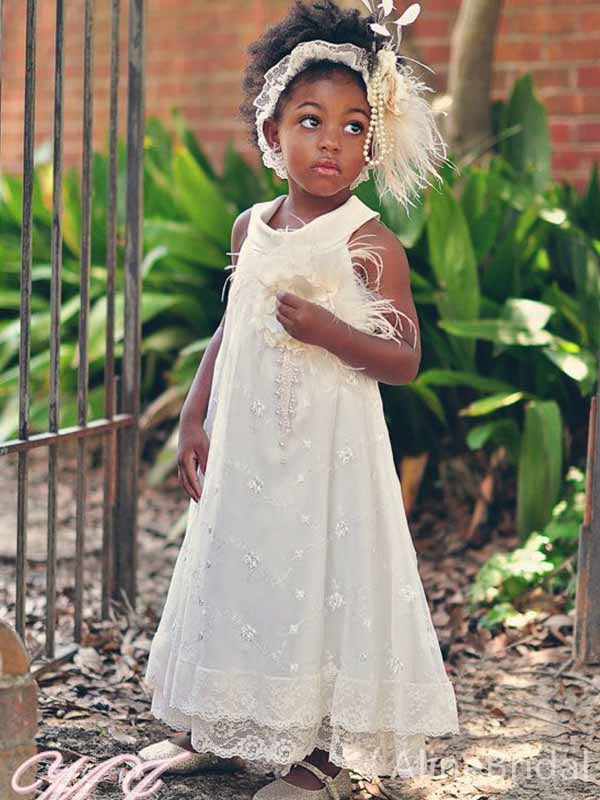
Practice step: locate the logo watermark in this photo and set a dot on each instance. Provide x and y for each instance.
(66, 782)
(60, 780)
(545, 768)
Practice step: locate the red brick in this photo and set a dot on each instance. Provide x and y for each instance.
(588, 132)
(561, 132)
(544, 77)
(196, 54)
(573, 49)
(571, 160)
(431, 27)
(539, 21)
(564, 103)
(590, 20)
(588, 77)
(523, 50)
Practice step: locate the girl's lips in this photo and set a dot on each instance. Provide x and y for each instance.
(322, 169)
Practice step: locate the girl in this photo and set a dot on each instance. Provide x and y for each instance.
(296, 633)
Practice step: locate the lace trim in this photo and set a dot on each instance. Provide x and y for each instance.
(276, 721)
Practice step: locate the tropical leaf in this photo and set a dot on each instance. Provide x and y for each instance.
(528, 151)
(487, 405)
(540, 465)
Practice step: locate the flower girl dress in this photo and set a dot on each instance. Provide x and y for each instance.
(296, 617)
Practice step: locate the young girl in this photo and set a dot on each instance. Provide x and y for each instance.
(296, 634)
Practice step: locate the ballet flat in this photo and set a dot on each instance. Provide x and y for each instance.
(193, 762)
(338, 788)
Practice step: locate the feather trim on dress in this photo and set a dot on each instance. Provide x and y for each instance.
(371, 310)
(331, 283)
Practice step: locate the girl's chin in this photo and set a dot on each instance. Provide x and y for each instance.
(324, 185)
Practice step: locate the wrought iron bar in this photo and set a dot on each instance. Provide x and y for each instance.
(110, 440)
(25, 309)
(128, 441)
(55, 307)
(84, 308)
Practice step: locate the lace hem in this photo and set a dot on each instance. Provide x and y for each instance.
(375, 730)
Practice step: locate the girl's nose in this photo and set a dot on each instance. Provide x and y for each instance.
(329, 141)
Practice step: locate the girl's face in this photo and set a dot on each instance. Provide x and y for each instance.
(321, 133)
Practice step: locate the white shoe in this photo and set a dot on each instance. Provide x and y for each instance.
(338, 788)
(193, 762)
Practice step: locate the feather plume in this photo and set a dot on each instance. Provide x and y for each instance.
(416, 145)
(370, 310)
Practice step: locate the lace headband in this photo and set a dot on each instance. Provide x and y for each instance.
(406, 143)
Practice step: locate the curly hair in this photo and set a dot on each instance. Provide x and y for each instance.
(324, 20)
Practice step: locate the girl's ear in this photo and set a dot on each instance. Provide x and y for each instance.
(271, 132)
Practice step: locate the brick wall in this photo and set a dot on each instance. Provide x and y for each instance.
(196, 50)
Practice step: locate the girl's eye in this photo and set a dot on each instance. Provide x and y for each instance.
(307, 119)
(358, 127)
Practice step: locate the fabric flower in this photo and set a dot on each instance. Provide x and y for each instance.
(315, 285)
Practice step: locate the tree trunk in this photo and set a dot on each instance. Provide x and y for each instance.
(470, 74)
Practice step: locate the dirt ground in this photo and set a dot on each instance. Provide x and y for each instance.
(527, 713)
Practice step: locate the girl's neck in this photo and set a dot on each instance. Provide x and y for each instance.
(301, 204)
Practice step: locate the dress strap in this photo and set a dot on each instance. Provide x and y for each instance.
(336, 228)
(327, 230)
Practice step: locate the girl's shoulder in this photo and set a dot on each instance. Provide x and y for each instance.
(241, 225)
(371, 226)
(376, 249)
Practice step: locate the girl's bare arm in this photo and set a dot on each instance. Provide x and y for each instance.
(193, 444)
(196, 402)
(385, 360)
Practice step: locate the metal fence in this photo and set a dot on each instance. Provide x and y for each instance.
(119, 426)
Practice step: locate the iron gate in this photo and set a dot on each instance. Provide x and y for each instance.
(119, 426)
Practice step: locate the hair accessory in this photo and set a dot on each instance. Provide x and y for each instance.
(403, 145)
(278, 77)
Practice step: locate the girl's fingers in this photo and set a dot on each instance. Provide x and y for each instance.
(187, 487)
(284, 314)
(288, 299)
(190, 480)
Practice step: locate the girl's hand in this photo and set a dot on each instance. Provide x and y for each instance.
(192, 449)
(306, 321)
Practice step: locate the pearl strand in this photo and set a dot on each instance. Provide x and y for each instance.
(377, 124)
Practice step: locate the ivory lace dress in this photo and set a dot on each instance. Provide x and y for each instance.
(295, 616)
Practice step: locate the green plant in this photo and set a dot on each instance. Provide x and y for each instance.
(538, 562)
(504, 271)
(506, 277)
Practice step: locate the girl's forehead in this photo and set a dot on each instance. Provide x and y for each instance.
(336, 89)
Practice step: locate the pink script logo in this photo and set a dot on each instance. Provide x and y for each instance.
(60, 780)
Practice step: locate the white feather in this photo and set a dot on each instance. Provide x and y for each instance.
(380, 29)
(230, 277)
(367, 310)
(410, 15)
(388, 6)
(417, 146)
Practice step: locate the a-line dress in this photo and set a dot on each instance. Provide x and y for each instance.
(296, 617)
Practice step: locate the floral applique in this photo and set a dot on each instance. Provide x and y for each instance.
(345, 455)
(255, 485)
